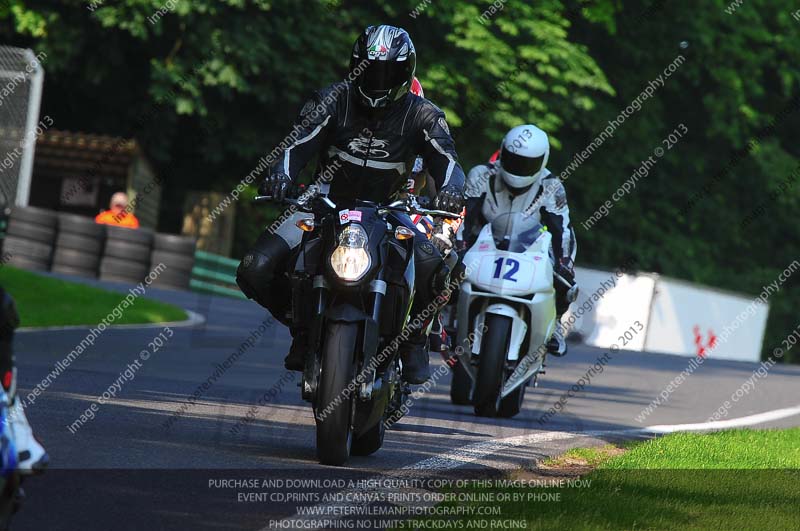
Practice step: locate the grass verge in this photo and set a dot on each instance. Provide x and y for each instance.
(738, 479)
(46, 301)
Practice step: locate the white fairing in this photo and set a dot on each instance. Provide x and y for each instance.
(519, 329)
(518, 285)
(509, 273)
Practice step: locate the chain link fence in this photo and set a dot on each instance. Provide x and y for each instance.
(21, 78)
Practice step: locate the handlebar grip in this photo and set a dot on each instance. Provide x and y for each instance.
(271, 199)
(564, 281)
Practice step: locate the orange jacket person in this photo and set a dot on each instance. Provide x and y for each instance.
(118, 213)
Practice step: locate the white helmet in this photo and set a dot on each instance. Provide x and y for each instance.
(523, 156)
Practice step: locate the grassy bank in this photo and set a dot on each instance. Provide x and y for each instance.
(741, 479)
(46, 301)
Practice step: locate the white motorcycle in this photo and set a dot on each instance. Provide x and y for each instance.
(506, 314)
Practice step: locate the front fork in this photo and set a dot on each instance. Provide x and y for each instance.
(311, 368)
(311, 371)
(378, 289)
(527, 366)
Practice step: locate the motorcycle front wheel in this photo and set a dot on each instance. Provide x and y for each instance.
(371, 440)
(334, 405)
(492, 366)
(512, 404)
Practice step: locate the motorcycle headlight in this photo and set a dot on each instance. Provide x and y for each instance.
(350, 260)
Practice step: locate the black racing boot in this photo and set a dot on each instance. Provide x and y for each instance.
(414, 355)
(296, 359)
(557, 346)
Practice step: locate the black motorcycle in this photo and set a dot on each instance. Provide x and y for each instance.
(11, 493)
(352, 283)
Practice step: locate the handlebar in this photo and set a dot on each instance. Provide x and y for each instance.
(295, 202)
(572, 292)
(397, 206)
(408, 209)
(262, 199)
(563, 280)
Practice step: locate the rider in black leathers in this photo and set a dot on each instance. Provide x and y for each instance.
(366, 131)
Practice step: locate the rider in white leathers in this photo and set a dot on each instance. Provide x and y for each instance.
(519, 183)
(32, 457)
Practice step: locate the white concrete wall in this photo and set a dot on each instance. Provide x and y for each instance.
(686, 318)
(609, 304)
(677, 317)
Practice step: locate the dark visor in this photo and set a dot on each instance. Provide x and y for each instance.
(519, 165)
(384, 75)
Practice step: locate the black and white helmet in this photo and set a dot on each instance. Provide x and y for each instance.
(523, 156)
(383, 61)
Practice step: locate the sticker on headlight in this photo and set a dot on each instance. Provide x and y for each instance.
(355, 215)
(344, 216)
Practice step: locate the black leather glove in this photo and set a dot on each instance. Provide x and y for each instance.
(276, 185)
(443, 237)
(566, 269)
(451, 198)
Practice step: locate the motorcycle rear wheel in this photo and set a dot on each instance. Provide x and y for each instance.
(370, 441)
(334, 406)
(394, 413)
(460, 386)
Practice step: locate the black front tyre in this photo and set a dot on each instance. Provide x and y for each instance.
(491, 370)
(512, 404)
(370, 441)
(334, 405)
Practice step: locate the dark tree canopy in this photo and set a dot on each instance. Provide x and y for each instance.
(221, 80)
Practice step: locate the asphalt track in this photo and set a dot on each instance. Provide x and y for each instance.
(125, 469)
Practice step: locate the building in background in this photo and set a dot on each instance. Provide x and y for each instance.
(212, 226)
(78, 173)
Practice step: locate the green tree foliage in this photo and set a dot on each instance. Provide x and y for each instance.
(213, 85)
(222, 80)
(738, 85)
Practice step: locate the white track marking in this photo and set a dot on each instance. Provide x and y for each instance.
(476, 451)
(448, 461)
(473, 452)
(192, 320)
(741, 422)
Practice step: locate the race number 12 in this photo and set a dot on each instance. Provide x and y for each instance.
(513, 267)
